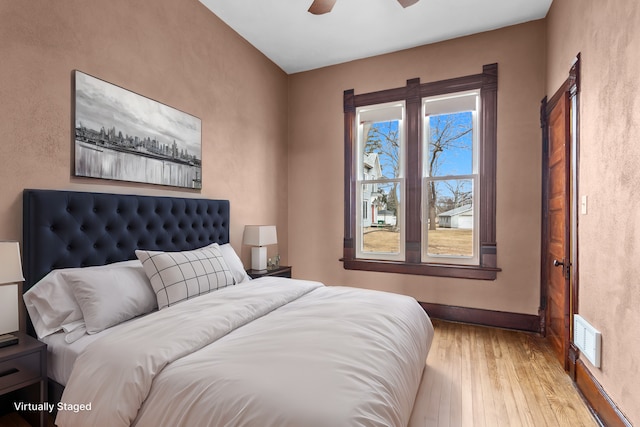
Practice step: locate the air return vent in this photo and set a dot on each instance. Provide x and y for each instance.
(587, 339)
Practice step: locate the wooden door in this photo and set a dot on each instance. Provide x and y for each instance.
(556, 230)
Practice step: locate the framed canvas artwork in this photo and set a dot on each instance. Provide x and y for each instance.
(124, 136)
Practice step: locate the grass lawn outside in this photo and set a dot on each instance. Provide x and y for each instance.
(442, 241)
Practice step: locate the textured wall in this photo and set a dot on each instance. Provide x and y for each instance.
(608, 37)
(176, 52)
(316, 162)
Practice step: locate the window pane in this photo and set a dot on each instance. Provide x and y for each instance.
(450, 219)
(380, 228)
(450, 144)
(381, 154)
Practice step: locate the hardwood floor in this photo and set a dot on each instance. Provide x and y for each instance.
(477, 376)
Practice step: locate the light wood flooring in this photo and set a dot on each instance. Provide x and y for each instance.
(477, 376)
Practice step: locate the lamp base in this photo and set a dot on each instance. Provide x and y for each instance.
(8, 339)
(259, 258)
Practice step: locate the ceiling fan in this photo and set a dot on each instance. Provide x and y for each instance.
(320, 7)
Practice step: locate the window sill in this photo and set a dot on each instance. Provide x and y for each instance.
(441, 270)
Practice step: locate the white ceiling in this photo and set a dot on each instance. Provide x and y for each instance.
(298, 41)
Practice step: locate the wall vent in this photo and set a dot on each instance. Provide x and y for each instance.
(588, 339)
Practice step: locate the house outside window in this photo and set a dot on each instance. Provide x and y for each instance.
(422, 159)
(380, 183)
(450, 178)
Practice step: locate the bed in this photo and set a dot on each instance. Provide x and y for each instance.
(265, 352)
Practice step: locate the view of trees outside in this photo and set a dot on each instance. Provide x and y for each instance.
(450, 154)
(450, 201)
(382, 140)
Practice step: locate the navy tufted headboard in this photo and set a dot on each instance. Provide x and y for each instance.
(64, 229)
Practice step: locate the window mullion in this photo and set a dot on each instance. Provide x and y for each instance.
(413, 236)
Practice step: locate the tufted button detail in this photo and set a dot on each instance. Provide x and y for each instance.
(111, 222)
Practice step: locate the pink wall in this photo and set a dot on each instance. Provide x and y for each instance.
(177, 53)
(272, 144)
(316, 165)
(608, 37)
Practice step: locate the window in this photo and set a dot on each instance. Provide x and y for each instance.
(420, 178)
(450, 178)
(380, 184)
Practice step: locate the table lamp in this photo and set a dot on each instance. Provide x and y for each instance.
(10, 276)
(259, 236)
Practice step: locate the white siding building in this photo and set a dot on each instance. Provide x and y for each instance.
(461, 217)
(370, 196)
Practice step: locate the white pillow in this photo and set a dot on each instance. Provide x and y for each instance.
(178, 276)
(108, 297)
(234, 263)
(51, 303)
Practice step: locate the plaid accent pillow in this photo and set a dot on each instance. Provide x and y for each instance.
(178, 276)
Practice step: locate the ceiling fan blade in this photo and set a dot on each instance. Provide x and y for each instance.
(320, 7)
(407, 3)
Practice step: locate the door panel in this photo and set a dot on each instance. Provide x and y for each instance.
(558, 230)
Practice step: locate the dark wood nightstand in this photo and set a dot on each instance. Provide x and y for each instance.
(282, 271)
(23, 372)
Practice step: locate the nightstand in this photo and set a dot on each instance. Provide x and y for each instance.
(23, 372)
(282, 271)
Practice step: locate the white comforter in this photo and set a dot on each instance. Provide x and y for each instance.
(272, 353)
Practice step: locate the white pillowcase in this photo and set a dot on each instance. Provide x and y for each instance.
(108, 297)
(178, 276)
(51, 303)
(234, 263)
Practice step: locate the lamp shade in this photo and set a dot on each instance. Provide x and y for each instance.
(10, 265)
(260, 235)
